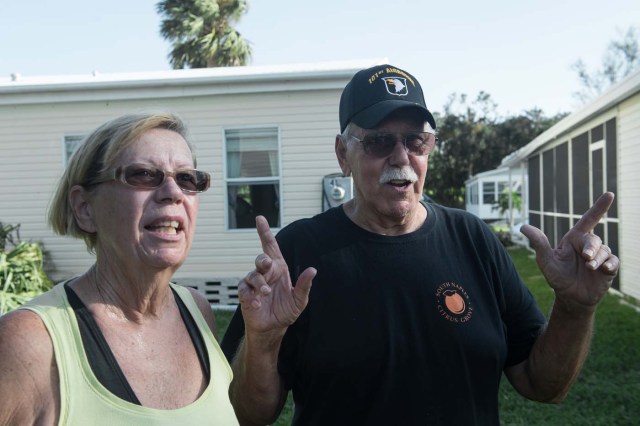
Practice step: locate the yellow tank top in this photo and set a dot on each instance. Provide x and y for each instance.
(84, 400)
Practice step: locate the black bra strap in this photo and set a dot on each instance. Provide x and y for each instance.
(194, 333)
(101, 359)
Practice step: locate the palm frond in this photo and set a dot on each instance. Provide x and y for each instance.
(201, 34)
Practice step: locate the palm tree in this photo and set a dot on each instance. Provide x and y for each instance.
(201, 33)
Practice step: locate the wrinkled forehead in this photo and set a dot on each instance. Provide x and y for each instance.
(157, 146)
(405, 119)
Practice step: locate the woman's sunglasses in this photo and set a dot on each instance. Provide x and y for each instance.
(147, 177)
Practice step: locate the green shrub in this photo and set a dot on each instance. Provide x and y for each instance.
(22, 276)
(505, 238)
(503, 234)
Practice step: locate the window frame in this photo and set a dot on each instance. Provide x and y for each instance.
(493, 185)
(277, 180)
(66, 139)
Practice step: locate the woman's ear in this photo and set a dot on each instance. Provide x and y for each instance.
(82, 209)
(341, 153)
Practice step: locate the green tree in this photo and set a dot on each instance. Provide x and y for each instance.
(201, 33)
(621, 58)
(465, 131)
(516, 131)
(473, 140)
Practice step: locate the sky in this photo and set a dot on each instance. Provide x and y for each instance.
(518, 51)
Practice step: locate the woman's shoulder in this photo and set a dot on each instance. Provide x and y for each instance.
(22, 326)
(24, 335)
(24, 339)
(27, 364)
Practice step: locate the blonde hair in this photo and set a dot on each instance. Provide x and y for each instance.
(96, 155)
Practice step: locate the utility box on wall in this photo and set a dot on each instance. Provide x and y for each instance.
(336, 189)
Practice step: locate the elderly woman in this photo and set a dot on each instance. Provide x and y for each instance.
(120, 344)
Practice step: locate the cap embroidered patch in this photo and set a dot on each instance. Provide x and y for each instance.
(396, 86)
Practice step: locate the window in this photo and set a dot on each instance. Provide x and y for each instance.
(488, 192)
(473, 193)
(252, 176)
(71, 143)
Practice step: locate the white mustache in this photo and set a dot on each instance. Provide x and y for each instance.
(394, 173)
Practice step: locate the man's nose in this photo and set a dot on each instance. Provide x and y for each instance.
(400, 153)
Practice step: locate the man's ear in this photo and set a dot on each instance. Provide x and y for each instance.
(82, 209)
(341, 153)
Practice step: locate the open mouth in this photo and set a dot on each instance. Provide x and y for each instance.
(399, 183)
(165, 227)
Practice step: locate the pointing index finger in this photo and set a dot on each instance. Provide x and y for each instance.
(590, 219)
(269, 244)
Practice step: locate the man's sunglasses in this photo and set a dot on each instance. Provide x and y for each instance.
(147, 177)
(381, 145)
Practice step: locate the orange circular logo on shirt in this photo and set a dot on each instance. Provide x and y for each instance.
(453, 303)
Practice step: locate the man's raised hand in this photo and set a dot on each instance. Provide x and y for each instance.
(269, 301)
(581, 269)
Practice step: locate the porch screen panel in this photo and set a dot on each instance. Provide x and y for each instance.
(534, 220)
(612, 164)
(599, 231)
(597, 133)
(612, 241)
(534, 183)
(612, 237)
(563, 225)
(596, 173)
(580, 173)
(549, 227)
(562, 178)
(548, 181)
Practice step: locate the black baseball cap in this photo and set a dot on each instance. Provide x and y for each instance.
(374, 93)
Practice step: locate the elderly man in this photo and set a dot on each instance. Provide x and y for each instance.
(416, 309)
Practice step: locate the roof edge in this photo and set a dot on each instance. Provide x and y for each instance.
(182, 77)
(615, 95)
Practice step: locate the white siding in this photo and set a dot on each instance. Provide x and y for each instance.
(629, 194)
(31, 161)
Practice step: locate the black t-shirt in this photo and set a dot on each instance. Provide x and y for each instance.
(413, 329)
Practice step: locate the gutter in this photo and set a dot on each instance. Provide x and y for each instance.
(185, 77)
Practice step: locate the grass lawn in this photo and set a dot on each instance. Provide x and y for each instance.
(607, 391)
